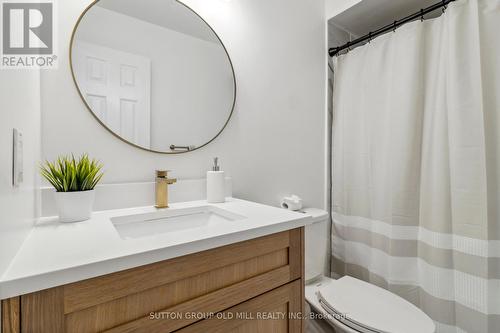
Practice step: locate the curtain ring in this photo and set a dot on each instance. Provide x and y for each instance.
(395, 23)
(370, 37)
(444, 6)
(422, 15)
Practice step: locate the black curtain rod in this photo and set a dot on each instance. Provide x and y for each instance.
(393, 26)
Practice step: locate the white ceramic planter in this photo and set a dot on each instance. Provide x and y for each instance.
(74, 206)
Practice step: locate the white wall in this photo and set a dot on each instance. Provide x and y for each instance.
(191, 78)
(19, 108)
(335, 7)
(275, 143)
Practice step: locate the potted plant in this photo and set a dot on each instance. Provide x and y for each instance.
(74, 181)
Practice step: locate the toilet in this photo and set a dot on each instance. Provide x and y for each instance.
(350, 305)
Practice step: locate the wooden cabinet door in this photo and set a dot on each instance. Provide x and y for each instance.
(277, 311)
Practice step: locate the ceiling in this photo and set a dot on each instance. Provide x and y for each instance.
(169, 14)
(369, 15)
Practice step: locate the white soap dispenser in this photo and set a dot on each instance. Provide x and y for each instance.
(216, 184)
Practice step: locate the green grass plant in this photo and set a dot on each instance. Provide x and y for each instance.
(68, 174)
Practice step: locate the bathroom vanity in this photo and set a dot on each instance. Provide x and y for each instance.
(237, 266)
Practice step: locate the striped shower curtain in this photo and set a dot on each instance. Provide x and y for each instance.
(416, 165)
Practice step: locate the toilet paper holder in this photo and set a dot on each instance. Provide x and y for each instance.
(293, 202)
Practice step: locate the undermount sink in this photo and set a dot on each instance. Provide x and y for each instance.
(172, 220)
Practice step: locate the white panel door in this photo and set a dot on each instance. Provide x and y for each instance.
(117, 87)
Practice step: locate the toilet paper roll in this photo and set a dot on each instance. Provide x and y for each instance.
(292, 203)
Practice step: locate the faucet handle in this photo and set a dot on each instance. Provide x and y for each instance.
(162, 173)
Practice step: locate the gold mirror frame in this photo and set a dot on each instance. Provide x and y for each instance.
(111, 131)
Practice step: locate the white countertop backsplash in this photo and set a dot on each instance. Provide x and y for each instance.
(123, 195)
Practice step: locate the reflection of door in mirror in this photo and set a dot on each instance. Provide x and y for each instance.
(117, 87)
(154, 73)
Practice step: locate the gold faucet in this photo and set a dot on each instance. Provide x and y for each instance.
(161, 188)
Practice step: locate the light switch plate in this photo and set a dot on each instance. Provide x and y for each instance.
(17, 158)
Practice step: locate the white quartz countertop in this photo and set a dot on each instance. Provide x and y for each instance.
(56, 253)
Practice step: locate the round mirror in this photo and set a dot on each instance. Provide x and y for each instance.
(154, 73)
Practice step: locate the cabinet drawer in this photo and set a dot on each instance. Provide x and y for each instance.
(277, 311)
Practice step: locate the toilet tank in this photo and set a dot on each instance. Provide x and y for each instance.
(317, 240)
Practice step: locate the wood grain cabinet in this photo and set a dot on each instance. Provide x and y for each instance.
(252, 286)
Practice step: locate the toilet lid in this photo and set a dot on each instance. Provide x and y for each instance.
(369, 308)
